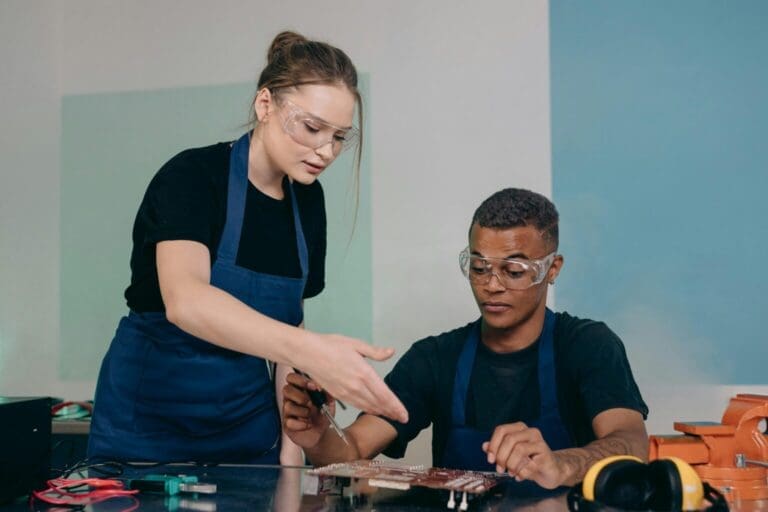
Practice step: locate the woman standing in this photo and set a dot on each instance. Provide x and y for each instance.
(228, 241)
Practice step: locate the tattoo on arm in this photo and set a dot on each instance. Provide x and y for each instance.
(579, 460)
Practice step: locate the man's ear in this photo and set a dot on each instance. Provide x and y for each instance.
(263, 104)
(554, 270)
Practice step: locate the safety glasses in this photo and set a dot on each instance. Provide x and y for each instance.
(512, 273)
(312, 132)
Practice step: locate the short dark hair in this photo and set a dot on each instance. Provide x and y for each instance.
(516, 207)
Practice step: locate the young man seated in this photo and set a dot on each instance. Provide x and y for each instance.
(523, 390)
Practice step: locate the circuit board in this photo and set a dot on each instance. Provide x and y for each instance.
(395, 475)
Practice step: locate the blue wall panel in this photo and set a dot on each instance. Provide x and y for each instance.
(660, 171)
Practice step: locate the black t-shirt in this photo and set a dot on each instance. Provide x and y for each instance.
(187, 200)
(592, 374)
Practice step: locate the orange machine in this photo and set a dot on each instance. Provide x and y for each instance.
(731, 455)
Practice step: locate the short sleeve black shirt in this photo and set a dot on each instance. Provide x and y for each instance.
(187, 200)
(592, 372)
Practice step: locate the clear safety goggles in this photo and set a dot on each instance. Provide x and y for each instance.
(313, 132)
(513, 274)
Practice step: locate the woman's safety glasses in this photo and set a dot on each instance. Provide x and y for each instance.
(513, 274)
(313, 132)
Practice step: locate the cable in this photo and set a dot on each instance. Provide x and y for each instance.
(83, 491)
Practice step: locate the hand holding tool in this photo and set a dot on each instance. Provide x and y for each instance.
(318, 398)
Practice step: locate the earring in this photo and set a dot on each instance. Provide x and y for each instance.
(552, 282)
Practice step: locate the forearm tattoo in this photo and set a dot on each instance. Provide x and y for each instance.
(579, 460)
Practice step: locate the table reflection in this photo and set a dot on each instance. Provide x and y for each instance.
(257, 488)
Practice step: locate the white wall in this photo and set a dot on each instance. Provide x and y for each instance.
(29, 202)
(460, 108)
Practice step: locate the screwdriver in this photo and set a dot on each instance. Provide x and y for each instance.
(319, 400)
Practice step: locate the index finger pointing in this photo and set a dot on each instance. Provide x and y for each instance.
(389, 405)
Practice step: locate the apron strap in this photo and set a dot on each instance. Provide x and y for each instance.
(237, 190)
(463, 373)
(546, 372)
(301, 242)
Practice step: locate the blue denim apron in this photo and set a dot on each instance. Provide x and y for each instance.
(165, 395)
(463, 449)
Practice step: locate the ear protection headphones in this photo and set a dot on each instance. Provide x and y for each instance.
(626, 482)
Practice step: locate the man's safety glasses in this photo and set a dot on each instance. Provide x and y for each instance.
(313, 132)
(512, 273)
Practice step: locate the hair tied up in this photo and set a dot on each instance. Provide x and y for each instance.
(282, 44)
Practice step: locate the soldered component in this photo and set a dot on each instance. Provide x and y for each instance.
(393, 475)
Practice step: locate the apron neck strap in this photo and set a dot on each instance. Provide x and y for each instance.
(546, 368)
(237, 191)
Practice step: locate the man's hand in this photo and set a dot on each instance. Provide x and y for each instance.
(302, 421)
(522, 452)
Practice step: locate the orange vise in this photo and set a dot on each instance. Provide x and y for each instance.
(731, 455)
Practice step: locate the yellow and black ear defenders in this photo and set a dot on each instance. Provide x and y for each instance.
(627, 483)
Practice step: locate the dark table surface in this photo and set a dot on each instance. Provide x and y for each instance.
(283, 489)
(292, 490)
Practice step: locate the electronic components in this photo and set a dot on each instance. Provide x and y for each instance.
(402, 477)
